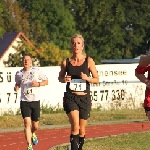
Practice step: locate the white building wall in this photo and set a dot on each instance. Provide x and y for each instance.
(10, 50)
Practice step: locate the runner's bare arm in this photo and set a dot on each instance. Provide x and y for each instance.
(16, 87)
(141, 69)
(141, 77)
(62, 72)
(17, 84)
(92, 68)
(43, 83)
(34, 83)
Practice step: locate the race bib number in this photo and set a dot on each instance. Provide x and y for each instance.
(77, 85)
(29, 91)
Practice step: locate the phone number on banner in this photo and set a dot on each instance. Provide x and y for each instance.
(111, 94)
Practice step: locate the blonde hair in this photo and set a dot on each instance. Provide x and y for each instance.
(81, 37)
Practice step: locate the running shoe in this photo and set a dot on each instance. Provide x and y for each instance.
(34, 139)
(30, 147)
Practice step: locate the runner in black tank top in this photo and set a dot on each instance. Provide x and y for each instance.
(75, 71)
(77, 102)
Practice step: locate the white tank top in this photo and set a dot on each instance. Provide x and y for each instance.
(24, 79)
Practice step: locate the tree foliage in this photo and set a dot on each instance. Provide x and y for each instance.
(46, 55)
(111, 29)
(13, 18)
(49, 21)
(2, 30)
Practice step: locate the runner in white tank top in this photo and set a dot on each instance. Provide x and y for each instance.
(25, 78)
(29, 79)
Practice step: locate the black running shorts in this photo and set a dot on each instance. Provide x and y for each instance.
(82, 103)
(30, 109)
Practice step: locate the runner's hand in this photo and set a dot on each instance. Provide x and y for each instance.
(67, 78)
(16, 88)
(34, 83)
(83, 76)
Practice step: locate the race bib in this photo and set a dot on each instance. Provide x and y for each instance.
(77, 85)
(29, 91)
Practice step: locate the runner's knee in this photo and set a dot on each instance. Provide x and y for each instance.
(27, 122)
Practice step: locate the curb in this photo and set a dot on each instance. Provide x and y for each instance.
(18, 129)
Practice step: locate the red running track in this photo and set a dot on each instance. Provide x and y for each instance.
(52, 137)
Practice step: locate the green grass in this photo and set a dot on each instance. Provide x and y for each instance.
(59, 117)
(53, 116)
(131, 141)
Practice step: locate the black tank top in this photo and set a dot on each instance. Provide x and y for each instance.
(75, 71)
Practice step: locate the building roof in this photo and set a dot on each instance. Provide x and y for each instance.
(8, 38)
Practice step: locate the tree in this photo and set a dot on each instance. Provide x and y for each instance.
(49, 21)
(46, 55)
(51, 55)
(99, 25)
(15, 18)
(2, 30)
(112, 29)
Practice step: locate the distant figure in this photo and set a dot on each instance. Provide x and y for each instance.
(29, 79)
(77, 100)
(144, 66)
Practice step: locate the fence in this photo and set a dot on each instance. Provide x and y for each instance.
(118, 88)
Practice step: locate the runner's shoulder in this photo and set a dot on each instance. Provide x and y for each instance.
(144, 60)
(19, 71)
(143, 56)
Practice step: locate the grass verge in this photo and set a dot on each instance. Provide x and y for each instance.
(11, 121)
(131, 141)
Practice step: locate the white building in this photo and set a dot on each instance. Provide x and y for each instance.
(7, 44)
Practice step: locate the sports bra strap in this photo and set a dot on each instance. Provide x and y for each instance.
(86, 60)
(67, 62)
